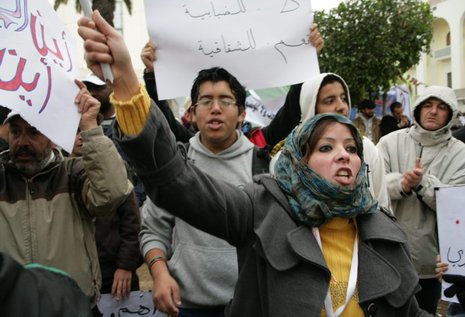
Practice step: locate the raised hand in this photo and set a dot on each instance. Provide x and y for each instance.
(148, 56)
(103, 44)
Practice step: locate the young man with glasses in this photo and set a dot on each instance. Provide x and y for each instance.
(194, 273)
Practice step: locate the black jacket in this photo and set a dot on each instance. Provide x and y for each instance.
(38, 292)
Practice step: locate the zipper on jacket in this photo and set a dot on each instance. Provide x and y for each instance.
(29, 193)
(30, 187)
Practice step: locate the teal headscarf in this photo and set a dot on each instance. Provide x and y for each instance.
(314, 200)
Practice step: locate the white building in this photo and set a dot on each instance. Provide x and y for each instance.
(133, 28)
(445, 66)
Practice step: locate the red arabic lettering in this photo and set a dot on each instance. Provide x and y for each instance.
(44, 50)
(8, 17)
(17, 80)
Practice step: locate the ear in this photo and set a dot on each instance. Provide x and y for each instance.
(193, 115)
(242, 115)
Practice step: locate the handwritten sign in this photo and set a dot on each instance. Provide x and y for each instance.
(450, 206)
(138, 303)
(37, 69)
(262, 105)
(264, 43)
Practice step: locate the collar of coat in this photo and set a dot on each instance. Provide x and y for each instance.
(382, 244)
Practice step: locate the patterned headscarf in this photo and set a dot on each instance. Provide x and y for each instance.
(314, 200)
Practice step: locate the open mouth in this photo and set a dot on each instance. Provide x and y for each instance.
(344, 173)
(344, 176)
(215, 124)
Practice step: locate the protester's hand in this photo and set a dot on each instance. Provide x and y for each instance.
(148, 56)
(404, 121)
(166, 296)
(103, 44)
(457, 287)
(411, 179)
(121, 287)
(88, 107)
(441, 268)
(315, 38)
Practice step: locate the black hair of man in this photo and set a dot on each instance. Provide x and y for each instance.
(395, 105)
(217, 74)
(366, 104)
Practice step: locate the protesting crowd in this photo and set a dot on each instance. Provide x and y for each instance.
(314, 214)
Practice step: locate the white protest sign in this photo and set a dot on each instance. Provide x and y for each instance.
(138, 303)
(262, 105)
(264, 43)
(37, 69)
(450, 210)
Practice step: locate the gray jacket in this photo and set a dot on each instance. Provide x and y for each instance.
(442, 157)
(204, 266)
(282, 271)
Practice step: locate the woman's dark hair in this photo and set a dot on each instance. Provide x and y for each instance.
(317, 133)
(216, 74)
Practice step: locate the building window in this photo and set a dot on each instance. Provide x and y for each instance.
(449, 80)
(448, 39)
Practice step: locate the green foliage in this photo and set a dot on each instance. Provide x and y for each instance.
(106, 7)
(371, 43)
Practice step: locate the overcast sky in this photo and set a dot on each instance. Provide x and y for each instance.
(324, 4)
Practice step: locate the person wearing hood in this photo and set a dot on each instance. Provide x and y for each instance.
(417, 160)
(329, 93)
(308, 241)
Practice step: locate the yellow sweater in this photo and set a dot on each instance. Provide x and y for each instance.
(337, 239)
(132, 114)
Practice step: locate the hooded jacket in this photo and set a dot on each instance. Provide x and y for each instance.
(308, 100)
(442, 160)
(204, 266)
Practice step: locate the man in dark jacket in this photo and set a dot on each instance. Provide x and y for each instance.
(397, 120)
(39, 291)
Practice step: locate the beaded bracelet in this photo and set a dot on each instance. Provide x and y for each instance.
(155, 259)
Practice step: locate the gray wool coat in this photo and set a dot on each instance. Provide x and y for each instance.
(282, 271)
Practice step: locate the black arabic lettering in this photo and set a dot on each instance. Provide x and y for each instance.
(453, 261)
(210, 53)
(141, 311)
(215, 12)
(12, 17)
(290, 5)
(241, 9)
(196, 16)
(17, 81)
(303, 41)
(250, 38)
(262, 110)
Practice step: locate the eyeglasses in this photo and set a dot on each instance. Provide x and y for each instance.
(224, 103)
